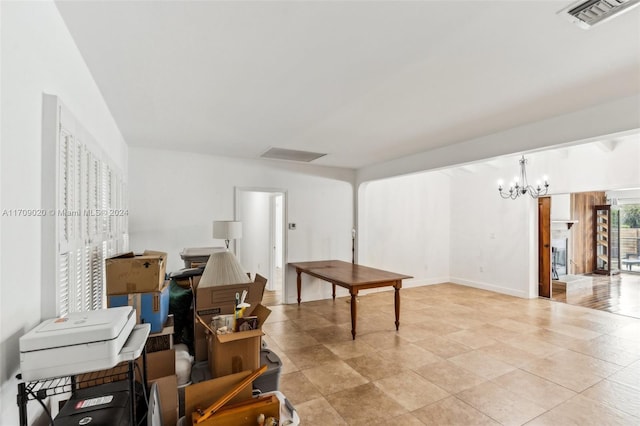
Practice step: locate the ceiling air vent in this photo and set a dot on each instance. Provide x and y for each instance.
(586, 14)
(291, 155)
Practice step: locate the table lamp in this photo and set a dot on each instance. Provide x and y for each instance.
(223, 267)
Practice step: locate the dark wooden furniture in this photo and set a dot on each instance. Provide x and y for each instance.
(352, 277)
(606, 239)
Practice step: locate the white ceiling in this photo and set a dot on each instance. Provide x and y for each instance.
(365, 82)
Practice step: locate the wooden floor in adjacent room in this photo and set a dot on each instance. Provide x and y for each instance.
(618, 294)
(462, 356)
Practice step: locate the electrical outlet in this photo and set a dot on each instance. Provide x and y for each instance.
(292, 226)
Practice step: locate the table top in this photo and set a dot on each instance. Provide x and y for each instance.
(347, 273)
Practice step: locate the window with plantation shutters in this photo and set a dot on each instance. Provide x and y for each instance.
(87, 214)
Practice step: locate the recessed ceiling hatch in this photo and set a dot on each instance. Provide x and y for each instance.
(586, 14)
(291, 155)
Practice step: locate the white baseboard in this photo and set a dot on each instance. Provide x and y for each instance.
(490, 287)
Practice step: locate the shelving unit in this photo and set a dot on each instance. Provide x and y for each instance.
(124, 369)
(607, 240)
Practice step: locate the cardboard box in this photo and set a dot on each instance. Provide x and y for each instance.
(239, 351)
(128, 273)
(202, 395)
(162, 340)
(213, 301)
(152, 307)
(161, 369)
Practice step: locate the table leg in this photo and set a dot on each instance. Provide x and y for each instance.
(397, 300)
(353, 314)
(299, 284)
(334, 290)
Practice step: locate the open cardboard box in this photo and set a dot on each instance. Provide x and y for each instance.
(219, 300)
(234, 352)
(239, 410)
(161, 369)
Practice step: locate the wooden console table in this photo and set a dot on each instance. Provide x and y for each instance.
(352, 277)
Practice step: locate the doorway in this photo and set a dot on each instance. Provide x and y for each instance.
(261, 249)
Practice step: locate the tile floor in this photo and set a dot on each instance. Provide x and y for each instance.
(463, 356)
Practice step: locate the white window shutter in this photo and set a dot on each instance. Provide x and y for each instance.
(87, 187)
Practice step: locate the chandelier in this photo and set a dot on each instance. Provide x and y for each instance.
(520, 186)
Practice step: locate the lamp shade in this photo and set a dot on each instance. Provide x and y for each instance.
(227, 229)
(223, 268)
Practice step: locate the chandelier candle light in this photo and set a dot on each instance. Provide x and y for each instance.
(520, 185)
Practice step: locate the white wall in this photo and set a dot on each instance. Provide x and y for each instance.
(561, 207)
(174, 197)
(403, 226)
(38, 56)
(494, 241)
(452, 225)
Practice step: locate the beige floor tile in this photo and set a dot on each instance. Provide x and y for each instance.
(415, 317)
(298, 388)
(575, 378)
(350, 349)
(509, 354)
(449, 376)
(374, 367)
(540, 353)
(519, 327)
(541, 392)
(312, 321)
(606, 352)
(331, 334)
(559, 339)
(318, 412)
(311, 356)
(287, 365)
(578, 360)
(534, 345)
(364, 404)
(631, 332)
(439, 326)
(629, 376)
(617, 343)
(481, 364)
(573, 331)
(498, 403)
(276, 315)
(409, 355)
(616, 395)
(294, 340)
(498, 333)
(414, 332)
(334, 376)
(453, 412)
(410, 390)
(583, 411)
(382, 340)
(472, 338)
(442, 346)
(404, 420)
(273, 329)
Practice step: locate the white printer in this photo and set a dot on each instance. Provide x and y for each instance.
(78, 343)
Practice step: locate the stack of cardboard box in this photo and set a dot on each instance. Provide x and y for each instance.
(139, 281)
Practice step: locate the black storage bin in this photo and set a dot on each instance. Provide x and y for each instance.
(269, 381)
